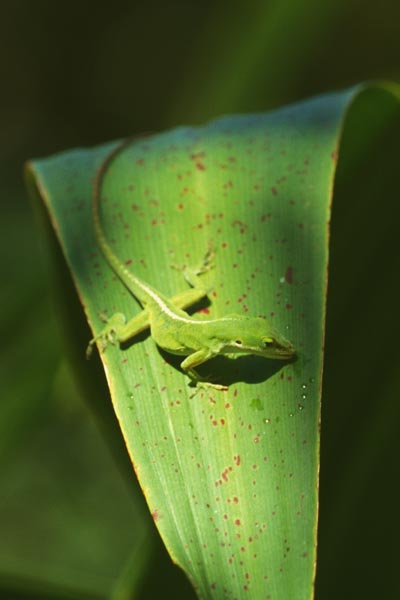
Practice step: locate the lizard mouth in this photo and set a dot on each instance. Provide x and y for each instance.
(277, 354)
(286, 353)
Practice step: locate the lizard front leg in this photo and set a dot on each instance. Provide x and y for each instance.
(194, 360)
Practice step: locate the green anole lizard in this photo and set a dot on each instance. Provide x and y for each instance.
(171, 327)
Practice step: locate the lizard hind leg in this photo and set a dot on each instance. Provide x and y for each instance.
(109, 334)
(192, 274)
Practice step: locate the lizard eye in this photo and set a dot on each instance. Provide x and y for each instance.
(268, 342)
(238, 342)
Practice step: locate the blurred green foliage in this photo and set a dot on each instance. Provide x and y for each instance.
(80, 73)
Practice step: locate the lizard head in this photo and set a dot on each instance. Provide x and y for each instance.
(255, 335)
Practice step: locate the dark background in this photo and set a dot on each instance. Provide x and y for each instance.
(81, 73)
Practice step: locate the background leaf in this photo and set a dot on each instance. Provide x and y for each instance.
(360, 409)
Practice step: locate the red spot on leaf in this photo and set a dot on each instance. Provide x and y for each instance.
(241, 226)
(225, 475)
(289, 275)
(200, 166)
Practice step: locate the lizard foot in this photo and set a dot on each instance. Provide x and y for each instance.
(109, 333)
(206, 385)
(191, 274)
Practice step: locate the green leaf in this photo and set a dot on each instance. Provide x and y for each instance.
(230, 477)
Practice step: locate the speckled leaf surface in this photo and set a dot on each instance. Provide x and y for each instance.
(230, 476)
